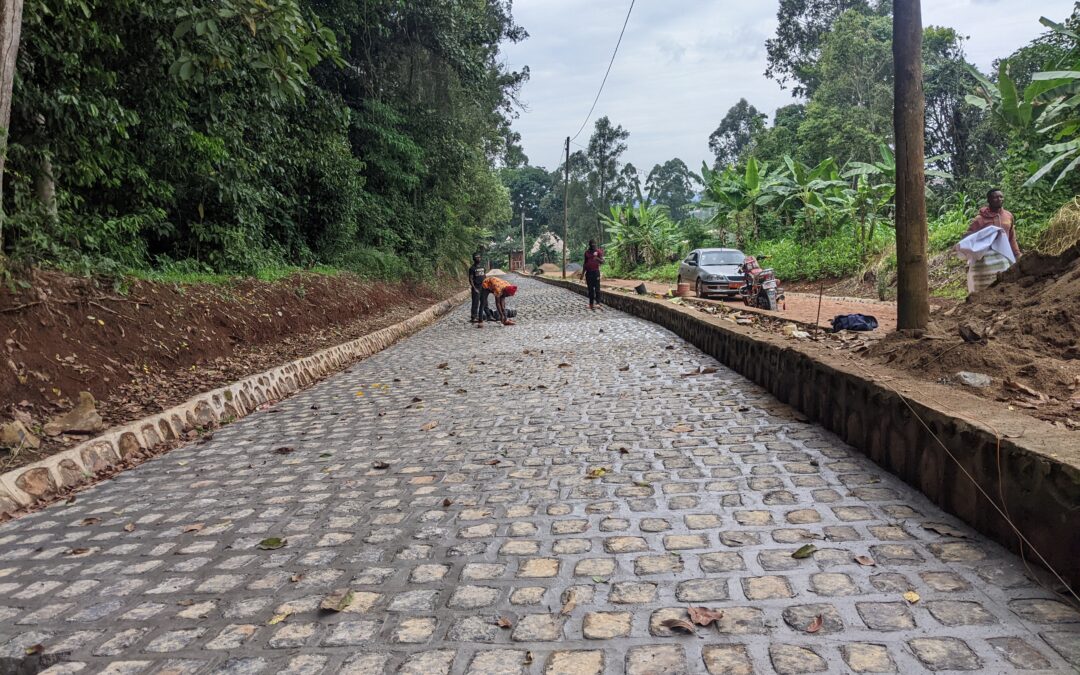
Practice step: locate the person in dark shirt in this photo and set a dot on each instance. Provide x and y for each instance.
(476, 281)
(594, 258)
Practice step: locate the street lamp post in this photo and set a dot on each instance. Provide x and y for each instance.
(523, 219)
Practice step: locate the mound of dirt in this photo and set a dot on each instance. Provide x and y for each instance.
(155, 345)
(1022, 332)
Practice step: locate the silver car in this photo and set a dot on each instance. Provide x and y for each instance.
(713, 271)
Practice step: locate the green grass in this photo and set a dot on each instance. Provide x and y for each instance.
(185, 273)
(954, 290)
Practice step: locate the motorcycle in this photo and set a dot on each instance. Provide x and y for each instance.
(762, 289)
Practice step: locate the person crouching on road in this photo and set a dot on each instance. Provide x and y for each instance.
(501, 290)
(476, 280)
(594, 258)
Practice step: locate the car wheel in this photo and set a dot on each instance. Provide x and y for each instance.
(699, 290)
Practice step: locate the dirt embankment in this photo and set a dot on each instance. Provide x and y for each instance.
(155, 345)
(1023, 333)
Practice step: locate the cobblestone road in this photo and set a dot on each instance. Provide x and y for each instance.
(487, 511)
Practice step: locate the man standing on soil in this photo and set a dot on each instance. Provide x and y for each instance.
(594, 258)
(995, 215)
(476, 281)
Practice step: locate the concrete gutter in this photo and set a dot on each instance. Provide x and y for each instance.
(27, 485)
(1031, 465)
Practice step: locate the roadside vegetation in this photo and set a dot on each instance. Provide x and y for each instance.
(190, 142)
(814, 189)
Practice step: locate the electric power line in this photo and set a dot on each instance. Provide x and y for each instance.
(610, 64)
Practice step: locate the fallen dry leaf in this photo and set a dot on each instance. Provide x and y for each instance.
(78, 551)
(187, 602)
(597, 472)
(296, 577)
(278, 618)
(942, 528)
(703, 616)
(193, 528)
(284, 450)
(504, 622)
(816, 624)
(804, 551)
(865, 560)
(89, 521)
(443, 366)
(130, 527)
(34, 649)
(338, 601)
(682, 428)
(679, 625)
(492, 462)
(380, 465)
(272, 543)
(429, 426)
(528, 658)
(912, 597)
(623, 369)
(571, 602)
(446, 502)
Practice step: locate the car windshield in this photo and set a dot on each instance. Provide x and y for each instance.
(721, 258)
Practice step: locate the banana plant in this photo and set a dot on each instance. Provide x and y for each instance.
(641, 233)
(732, 193)
(1049, 106)
(1061, 118)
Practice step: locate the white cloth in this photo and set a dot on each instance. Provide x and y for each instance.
(973, 247)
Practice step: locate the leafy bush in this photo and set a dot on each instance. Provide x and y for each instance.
(837, 255)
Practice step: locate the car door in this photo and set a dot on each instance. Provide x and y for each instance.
(688, 270)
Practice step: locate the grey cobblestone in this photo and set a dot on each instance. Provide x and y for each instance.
(562, 474)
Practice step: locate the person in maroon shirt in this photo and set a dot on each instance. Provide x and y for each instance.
(994, 214)
(594, 258)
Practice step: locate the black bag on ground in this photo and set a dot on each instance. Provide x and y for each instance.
(854, 322)
(491, 315)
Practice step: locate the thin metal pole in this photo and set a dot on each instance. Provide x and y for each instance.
(566, 206)
(821, 295)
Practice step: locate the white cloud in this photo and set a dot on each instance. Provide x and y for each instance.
(683, 63)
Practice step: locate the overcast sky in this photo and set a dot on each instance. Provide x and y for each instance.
(683, 63)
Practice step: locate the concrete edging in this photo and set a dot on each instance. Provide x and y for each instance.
(28, 484)
(1035, 466)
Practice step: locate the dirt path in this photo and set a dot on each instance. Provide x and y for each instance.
(158, 344)
(800, 307)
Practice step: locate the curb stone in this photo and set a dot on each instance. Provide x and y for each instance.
(32, 483)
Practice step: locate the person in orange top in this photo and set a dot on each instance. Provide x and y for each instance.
(994, 215)
(501, 290)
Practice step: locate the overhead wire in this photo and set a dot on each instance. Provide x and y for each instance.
(608, 72)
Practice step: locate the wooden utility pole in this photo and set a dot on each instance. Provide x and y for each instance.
(909, 118)
(10, 30)
(566, 205)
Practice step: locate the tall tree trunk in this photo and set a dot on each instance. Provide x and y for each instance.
(912, 284)
(10, 30)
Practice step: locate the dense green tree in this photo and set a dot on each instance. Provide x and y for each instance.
(606, 146)
(850, 112)
(673, 185)
(242, 134)
(802, 25)
(736, 133)
(782, 138)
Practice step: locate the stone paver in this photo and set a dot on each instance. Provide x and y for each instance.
(535, 499)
